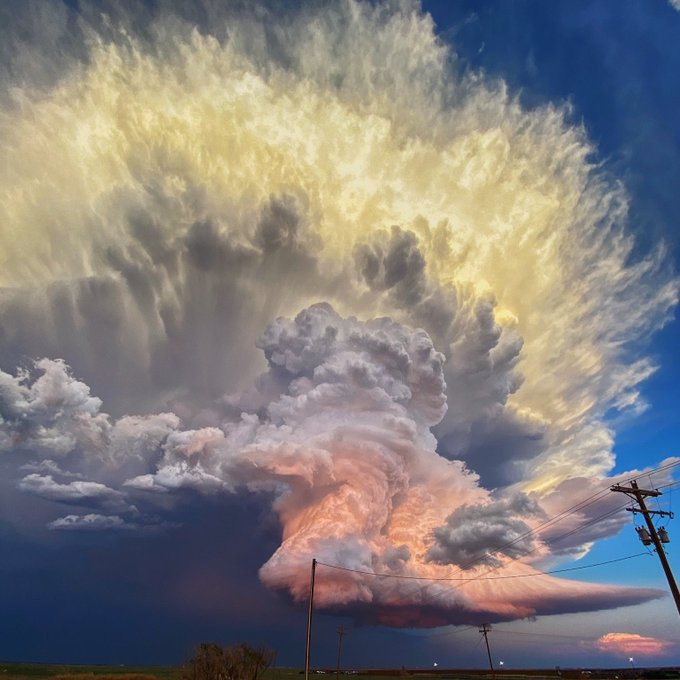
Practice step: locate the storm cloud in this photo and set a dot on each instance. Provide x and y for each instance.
(307, 258)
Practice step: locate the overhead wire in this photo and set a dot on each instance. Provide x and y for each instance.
(581, 505)
(477, 578)
(548, 635)
(587, 502)
(577, 507)
(450, 633)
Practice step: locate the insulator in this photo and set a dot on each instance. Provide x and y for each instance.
(644, 536)
(663, 535)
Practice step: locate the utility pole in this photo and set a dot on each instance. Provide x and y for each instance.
(309, 619)
(341, 632)
(639, 495)
(484, 630)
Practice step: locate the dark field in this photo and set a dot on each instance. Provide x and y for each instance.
(39, 671)
(26, 671)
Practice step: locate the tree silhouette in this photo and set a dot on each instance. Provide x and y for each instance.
(237, 662)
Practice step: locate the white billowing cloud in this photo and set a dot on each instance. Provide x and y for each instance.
(342, 438)
(53, 414)
(95, 522)
(46, 411)
(73, 492)
(48, 466)
(347, 448)
(168, 192)
(77, 492)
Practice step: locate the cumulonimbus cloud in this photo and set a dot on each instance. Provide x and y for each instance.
(176, 181)
(338, 429)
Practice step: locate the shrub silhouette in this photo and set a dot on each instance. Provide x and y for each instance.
(237, 662)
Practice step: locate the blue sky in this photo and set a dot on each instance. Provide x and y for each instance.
(93, 277)
(616, 64)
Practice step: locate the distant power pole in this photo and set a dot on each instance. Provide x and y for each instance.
(484, 630)
(639, 495)
(341, 632)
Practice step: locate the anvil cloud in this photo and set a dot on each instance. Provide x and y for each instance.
(306, 257)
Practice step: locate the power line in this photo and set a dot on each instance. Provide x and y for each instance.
(551, 541)
(477, 578)
(464, 581)
(584, 525)
(587, 502)
(548, 523)
(581, 505)
(450, 633)
(548, 635)
(653, 471)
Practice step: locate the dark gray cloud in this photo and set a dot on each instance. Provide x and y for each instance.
(482, 357)
(394, 262)
(177, 308)
(497, 448)
(474, 534)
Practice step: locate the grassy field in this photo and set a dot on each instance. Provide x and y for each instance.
(43, 671)
(35, 671)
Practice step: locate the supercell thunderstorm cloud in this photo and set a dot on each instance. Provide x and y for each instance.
(305, 256)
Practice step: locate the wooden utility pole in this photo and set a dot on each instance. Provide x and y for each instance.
(639, 495)
(341, 632)
(484, 630)
(308, 648)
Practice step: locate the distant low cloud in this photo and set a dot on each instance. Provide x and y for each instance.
(89, 522)
(50, 467)
(72, 492)
(634, 645)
